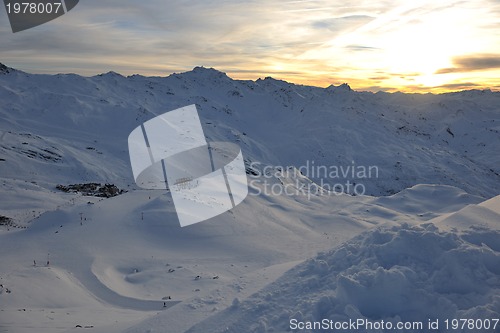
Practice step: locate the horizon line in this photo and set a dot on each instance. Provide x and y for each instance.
(434, 90)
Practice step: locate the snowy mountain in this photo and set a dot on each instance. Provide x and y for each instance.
(406, 172)
(412, 139)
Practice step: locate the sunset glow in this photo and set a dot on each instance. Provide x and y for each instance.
(423, 46)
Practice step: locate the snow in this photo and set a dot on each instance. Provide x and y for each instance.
(403, 273)
(422, 241)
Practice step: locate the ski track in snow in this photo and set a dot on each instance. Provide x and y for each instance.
(103, 293)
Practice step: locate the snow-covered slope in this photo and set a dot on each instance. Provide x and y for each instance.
(404, 274)
(114, 262)
(65, 123)
(126, 255)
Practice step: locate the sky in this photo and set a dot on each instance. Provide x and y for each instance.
(410, 46)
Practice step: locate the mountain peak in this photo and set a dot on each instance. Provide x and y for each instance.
(342, 87)
(205, 74)
(111, 74)
(208, 71)
(345, 86)
(4, 69)
(273, 81)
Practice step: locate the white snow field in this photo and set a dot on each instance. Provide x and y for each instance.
(396, 273)
(415, 237)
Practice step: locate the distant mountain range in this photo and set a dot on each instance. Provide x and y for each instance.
(68, 128)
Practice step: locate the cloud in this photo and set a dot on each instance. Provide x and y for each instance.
(376, 89)
(303, 41)
(459, 86)
(337, 24)
(379, 78)
(361, 48)
(471, 63)
(447, 87)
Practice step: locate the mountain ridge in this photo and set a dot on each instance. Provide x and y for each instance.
(452, 133)
(203, 69)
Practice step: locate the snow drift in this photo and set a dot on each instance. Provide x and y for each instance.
(396, 274)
